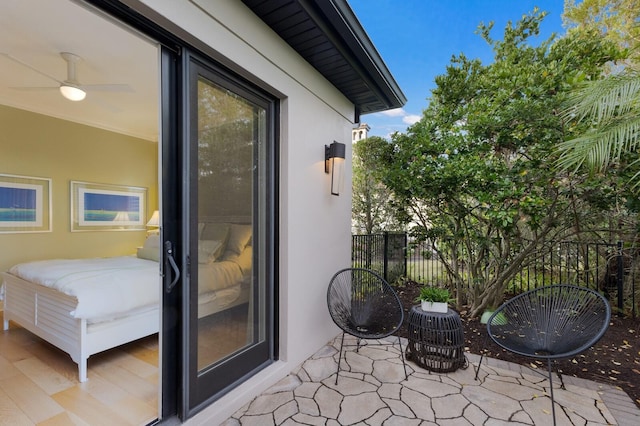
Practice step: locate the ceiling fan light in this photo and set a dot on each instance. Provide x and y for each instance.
(72, 93)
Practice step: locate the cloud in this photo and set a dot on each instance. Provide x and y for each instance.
(385, 123)
(398, 112)
(411, 119)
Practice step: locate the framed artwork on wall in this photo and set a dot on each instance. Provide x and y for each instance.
(103, 207)
(25, 204)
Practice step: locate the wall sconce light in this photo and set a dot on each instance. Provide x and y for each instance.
(154, 222)
(334, 159)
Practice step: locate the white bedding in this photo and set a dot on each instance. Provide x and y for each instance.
(105, 287)
(225, 273)
(110, 287)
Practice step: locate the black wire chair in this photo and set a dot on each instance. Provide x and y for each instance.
(365, 306)
(550, 323)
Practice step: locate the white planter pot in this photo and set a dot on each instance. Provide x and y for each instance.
(441, 307)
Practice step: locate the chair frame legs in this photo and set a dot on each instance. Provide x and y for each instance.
(553, 405)
(404, 365)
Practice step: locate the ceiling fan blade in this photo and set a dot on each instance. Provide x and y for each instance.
(34, 88)
(18, 61)
(107, 87)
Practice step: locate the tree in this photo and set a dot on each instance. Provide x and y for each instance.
(372, 206)
(473, 174)
(614, 20)
(607, 110)
(610, 110)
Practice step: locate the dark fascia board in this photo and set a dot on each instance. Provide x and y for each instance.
(359, 44)
(371, 87)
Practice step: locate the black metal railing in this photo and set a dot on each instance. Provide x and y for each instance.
(609, 268)
(383, 253)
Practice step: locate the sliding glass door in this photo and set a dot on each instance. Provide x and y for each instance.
(229, 194)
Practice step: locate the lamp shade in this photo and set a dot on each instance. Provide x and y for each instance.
(154, 222)
(337, 175)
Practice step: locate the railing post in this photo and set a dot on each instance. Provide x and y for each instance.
(406, 247)
(385, 256)
(620, 279)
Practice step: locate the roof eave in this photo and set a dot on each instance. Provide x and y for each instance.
(363, 78)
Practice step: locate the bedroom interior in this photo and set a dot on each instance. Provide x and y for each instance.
(47, 136)
(47, 349)
(108, 138)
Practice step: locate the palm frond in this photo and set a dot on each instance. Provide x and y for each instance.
(603, 99)
(598, 148)
(612, 108)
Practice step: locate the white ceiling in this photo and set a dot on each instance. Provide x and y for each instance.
(36, 31)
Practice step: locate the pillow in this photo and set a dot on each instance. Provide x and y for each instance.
(152, 241)
(149, 253)
(239, 236)
(215, 231)
(208, 250)
(245, 260)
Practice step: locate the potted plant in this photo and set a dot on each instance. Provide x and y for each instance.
(434, 299)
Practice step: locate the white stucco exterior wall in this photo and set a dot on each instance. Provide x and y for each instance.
(315, 236)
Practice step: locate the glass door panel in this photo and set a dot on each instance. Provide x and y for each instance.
(229, 126)
(228, 172)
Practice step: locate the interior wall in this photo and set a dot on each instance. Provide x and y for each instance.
(41, 146)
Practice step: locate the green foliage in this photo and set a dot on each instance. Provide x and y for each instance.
(372, 202)
(611, 108)
(473, 175)
(613, 20)
(433, 294)
(605, 113)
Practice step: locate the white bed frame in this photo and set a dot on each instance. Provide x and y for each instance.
(46, 313)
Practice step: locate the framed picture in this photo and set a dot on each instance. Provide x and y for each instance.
(100, 207)
(25, 204)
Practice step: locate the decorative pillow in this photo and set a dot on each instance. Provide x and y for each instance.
(152, 241)
(208, 250)
(149, 253)
(215, 231)
(239, 236)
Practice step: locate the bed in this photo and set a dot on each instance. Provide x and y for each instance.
(86, 306)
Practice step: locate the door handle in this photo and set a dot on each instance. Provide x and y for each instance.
(168, 247)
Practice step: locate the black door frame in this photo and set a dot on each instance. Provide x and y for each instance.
(204, 387)
(174, 398)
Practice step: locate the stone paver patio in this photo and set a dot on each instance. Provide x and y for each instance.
(372, 390)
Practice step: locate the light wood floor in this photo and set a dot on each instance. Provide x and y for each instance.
(39, 383)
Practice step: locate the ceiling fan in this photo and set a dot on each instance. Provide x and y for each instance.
(70, 88)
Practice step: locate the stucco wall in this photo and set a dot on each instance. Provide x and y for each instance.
(314, 225)
(40, 146)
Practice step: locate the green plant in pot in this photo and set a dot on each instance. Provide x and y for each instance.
(434, 299)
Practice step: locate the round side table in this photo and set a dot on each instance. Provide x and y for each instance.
(436, 340)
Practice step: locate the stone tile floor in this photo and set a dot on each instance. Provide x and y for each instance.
(372, 390)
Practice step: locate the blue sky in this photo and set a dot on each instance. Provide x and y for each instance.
(417, 38)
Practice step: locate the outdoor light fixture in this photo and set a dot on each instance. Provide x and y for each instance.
(72, 92)
(334, 160)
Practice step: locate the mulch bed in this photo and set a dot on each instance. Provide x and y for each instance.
(614, 360)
